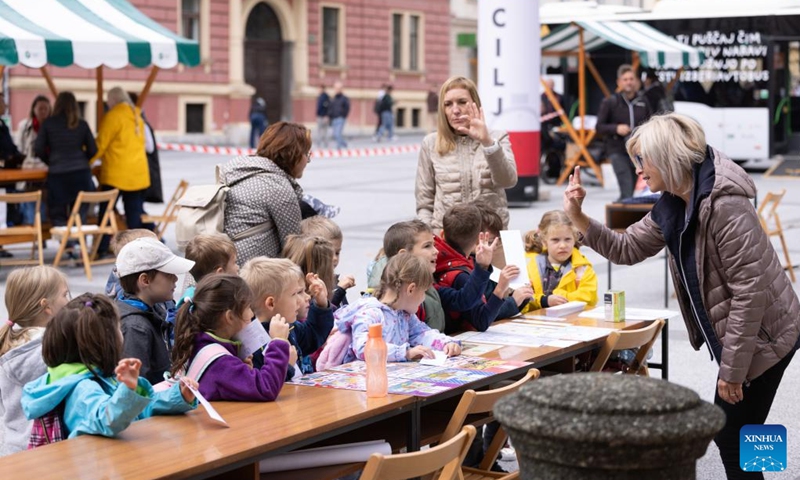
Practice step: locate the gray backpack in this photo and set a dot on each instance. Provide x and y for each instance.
(202, 211)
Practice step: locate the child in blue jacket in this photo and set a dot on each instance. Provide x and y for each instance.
(100, 394)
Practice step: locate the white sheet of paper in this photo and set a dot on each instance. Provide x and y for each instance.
(599, 313)
(543, 317)
(253, 337)
(438, 360)
(207, 405)
(515, 255)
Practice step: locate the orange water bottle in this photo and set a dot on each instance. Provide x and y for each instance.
(375, 357)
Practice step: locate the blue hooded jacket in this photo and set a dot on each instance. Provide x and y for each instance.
(99, 406)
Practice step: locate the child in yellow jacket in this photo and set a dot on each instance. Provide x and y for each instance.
(559, 273)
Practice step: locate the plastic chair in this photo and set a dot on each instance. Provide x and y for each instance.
(642, 338)
(444, 460)
(770, 205)
(24, 233)
(76, 230)
(473, 402)
(170, 211)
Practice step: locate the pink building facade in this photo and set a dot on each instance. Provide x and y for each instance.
(280, 50)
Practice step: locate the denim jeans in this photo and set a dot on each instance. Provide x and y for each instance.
(322, 130)
(387, 124)
(338, 127)
(258, 124)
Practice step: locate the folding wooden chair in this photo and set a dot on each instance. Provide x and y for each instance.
(170, 211)
(24, 233)
(473, 402)
(770, 205)
(642, 338)
(444, 460)
(76, 230)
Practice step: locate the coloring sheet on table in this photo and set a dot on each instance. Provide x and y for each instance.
(477, 349)
(413, 378)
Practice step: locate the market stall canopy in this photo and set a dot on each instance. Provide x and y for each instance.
(88, 33)
(655, 49)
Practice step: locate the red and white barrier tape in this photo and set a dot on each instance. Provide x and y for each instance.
(317, 153)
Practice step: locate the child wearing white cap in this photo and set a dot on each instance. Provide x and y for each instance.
(148, 275)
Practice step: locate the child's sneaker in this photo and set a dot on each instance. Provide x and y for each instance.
(508, 454)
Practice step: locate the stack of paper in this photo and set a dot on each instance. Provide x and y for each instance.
(565, 309)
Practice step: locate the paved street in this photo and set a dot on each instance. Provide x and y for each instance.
(375, 192)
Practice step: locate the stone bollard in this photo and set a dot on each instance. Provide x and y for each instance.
(593, 426)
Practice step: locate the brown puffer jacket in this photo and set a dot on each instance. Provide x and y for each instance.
(749, 300)
(463, 175)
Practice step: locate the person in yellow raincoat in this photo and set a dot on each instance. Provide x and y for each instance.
(121, 148)
(558, 271)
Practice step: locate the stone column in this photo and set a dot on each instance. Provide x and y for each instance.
(594, 426)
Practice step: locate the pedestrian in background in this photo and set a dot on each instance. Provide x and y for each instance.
(733, 292)
(463, 161)
(323, 118)
(28, 131)
(65, 143)
(432, 102)
(121, 141)
(619, 114)
(258, 120)
(385, 106)
(339, 110)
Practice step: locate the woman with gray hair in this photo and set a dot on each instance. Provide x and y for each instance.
(121, 146)
(732, 290)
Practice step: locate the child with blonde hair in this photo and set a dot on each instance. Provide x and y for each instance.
(34, 295)
(208, 322)
(313, 255)
(326, 228)
(95, 391)
(279, 291)
(558, 271)
(402, 290)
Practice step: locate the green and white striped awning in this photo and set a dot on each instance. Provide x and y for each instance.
(87, 33)
(655, 48)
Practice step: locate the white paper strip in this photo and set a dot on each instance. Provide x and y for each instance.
(211, 411)
(320, 457)
(515, 255)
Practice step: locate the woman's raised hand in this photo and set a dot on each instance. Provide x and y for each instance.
(476, 120)
(574, 195)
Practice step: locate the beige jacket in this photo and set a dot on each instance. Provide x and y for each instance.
(749, 300)
(463, 175)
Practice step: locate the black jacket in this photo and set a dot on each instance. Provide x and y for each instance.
(65, 150)
(340, 106)
(146, 335)
(616, 110)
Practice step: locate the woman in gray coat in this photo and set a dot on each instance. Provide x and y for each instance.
(263, 203)
(732, 290)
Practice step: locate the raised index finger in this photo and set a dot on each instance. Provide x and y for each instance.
(576, 175)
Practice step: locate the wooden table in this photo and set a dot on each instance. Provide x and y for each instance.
(193, 446)
(14, 175)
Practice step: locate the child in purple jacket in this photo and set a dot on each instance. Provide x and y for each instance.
(219, 310)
